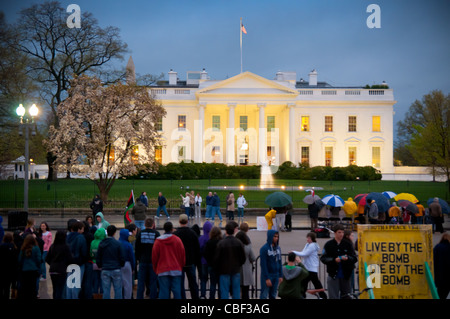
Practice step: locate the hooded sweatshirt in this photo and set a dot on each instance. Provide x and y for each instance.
(110, 254)
(127, 247)
(99, 235)
(270, 258)
(168, 255)
(291, 287)
(204, 238)
(78, 247)
(103, 224)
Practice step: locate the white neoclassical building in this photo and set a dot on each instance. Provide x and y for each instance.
(248, 119)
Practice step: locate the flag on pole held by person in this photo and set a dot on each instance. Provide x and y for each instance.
(128, 208)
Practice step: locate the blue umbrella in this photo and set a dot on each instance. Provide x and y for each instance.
(333, 200)
(381, 201)
(443, 203)
(389, 194)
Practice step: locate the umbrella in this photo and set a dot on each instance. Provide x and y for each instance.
(309, 199)
(350, 206)
(381, 201)
(444, 205)
(409, 206)
(278, 199)
(389, 194)
(333, 200)
(360, 199)
(407, 196)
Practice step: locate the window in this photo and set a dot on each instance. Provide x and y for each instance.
(328, 124)
(216, 122)
(352, 123)
(135, 154)
(270, 123)
(271, 154)
(158, 154)
(158, 125)
(181, 122)
(305, 154)
(376, 123)
(376, 156)
(111, 155)
(305, 124)
(328, 156)
(352, 155)
(243, 122)
(181, 153)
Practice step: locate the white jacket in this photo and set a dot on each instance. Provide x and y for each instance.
(241, 201)
(310, 256)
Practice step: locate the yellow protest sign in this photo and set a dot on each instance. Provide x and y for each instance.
(395, 256)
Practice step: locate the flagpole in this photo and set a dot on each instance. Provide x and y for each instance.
(240, 29)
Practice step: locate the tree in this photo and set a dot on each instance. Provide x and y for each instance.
(429, 130)
(56, 53)
(101, 126)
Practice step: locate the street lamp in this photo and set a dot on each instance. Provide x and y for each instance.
(27, 121)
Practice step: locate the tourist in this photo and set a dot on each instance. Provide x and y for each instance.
(294, 274)
(101, 222)
(192, 253)
(215, 236)
(394, 214)
(147, 277)
(97, 289)
(373, 212)
(247, 277)
(162, 201)
(128, 267)
(230, 206)
(144, 200)
(138, 213)
(86, 285)
(198, 206)
(111, 259)
(441, 261)
(30, 259)
(339, 257)
(8, 265)
(436, 215)
(216, 207)
(203, 270)
(241, 203)
(229, 258)
(270, 216)
(185, 204)
(310, 259)
(421, 212)
(78, 248)
(168, 258)
(96, 205)
(270, 261)
(46, 236)
(209, 208)
(59, 258)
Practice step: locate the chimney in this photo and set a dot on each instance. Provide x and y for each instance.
(279, 76)
(313, 78)
(204, 75)
(173, 77)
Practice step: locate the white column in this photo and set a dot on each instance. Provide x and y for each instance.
(198, 134)
(262, 135)
(230, 157)
(292, 145)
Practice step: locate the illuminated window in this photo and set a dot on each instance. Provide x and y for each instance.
(352, 155)
(376, 123)
(305, 154)
(270, 123)
(181, 122)
(158, 154)
(243, 122)
(352, 123)
(328, 156)
(328, 124)
(111, 155)
(305, 124)
(216, 122)
(135, 154)
(376, 156)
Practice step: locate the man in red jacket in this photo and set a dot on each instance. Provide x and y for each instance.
(168, 257)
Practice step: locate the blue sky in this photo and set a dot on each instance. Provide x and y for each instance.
(410, 51)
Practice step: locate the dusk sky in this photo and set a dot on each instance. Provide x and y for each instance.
(410, 51)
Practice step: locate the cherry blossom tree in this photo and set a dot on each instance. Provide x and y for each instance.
(104, 131)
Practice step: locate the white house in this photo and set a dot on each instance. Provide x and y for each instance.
(248, 119)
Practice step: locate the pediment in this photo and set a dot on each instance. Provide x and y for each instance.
(246, 83)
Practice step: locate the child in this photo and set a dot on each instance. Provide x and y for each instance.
(294, 273)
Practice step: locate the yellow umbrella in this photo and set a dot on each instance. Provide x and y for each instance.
(350, 207)
(406, 196)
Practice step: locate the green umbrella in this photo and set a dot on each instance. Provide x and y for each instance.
(278, 199)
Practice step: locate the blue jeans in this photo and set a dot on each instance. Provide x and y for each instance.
(97, 282)
(140, 224)
(189, 271)
(73, 293)
(240, 211)
(209, 210)
(216, 210)
(147, 276)
(187, 211)
(203, 273)
(43, 266)
(271, 292)
(113, 277)
(163, 207)
(169, 284)
(233, 280)
(213, 281)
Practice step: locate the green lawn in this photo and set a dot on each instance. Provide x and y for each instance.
(79, 192)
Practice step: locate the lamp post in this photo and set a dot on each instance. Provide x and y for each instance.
(27, 120)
